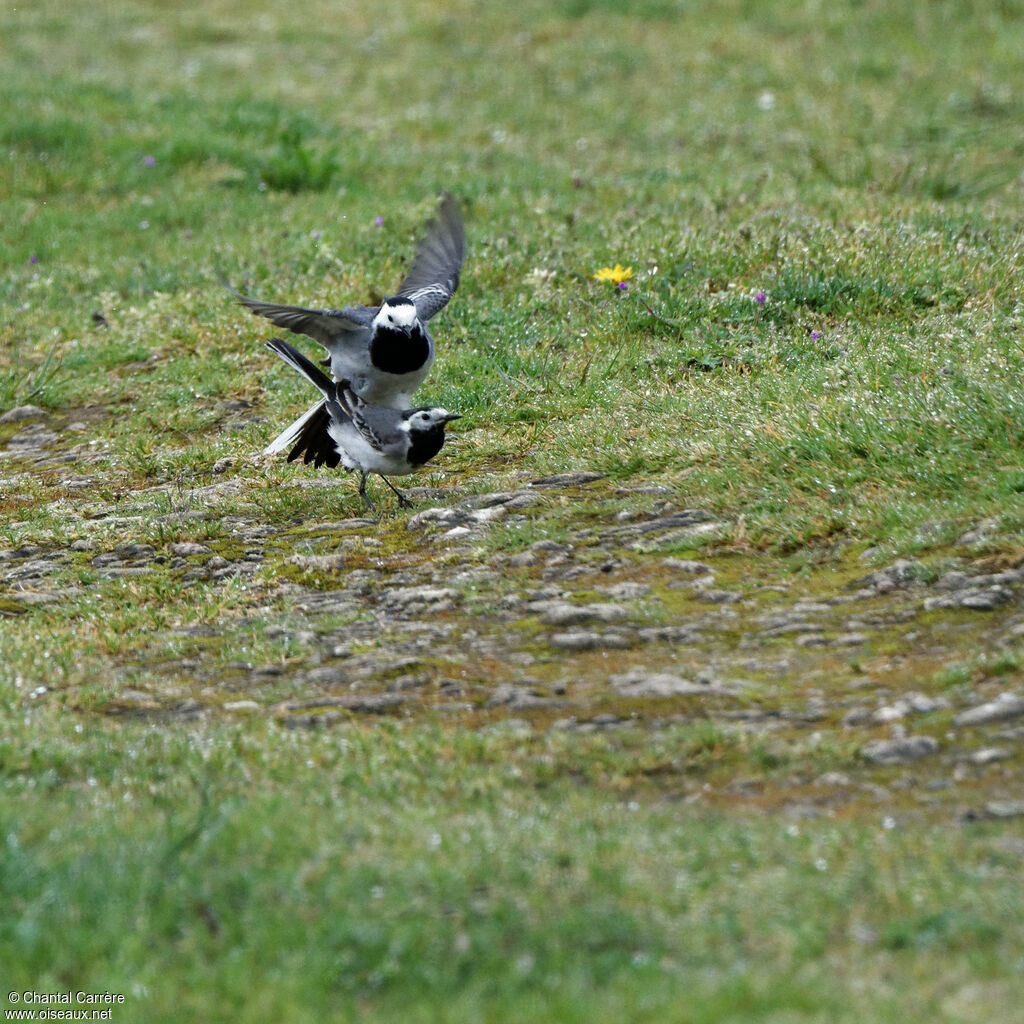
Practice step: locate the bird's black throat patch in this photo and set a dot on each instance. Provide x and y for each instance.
(397, 352)
(425, 444)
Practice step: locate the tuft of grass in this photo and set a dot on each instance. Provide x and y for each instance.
(20, 384)
(295, 167)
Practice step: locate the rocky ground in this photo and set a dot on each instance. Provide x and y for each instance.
(573, 603)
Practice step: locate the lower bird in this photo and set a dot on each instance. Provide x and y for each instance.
(372, 438)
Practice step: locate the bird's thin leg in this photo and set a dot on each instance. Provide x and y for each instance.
(402, 499)
(362, 491)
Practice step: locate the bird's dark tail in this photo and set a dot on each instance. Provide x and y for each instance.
(311, 436)
(313, 443)
(297, 361)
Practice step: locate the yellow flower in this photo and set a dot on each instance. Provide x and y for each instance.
(614, 274)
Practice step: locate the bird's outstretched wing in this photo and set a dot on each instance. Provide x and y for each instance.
(326, 326)
(434, 274)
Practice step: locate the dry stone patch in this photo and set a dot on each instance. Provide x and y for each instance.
(431, 614)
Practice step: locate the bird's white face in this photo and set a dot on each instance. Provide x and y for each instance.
(425, 419)
(400, 317)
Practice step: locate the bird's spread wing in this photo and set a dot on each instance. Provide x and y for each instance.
(323, 325)
(434, 274)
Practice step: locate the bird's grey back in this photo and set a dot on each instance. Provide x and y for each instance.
(379, 426)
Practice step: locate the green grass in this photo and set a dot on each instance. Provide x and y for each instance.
(435, 875)
(857, 162)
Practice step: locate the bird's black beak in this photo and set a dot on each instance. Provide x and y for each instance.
(453, 416)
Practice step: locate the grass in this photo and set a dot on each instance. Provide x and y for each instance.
(856, 164)
(385, 903)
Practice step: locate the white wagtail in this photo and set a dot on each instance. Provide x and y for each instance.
(385, 351)
(372, 438)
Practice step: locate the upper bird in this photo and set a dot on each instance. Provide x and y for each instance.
(383, 351)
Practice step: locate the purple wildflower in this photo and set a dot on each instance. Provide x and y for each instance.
(815, 335)
(149, 161)
(379, 220)
(33, 259)
(760, 298)
(316, 236)
(623, 285)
